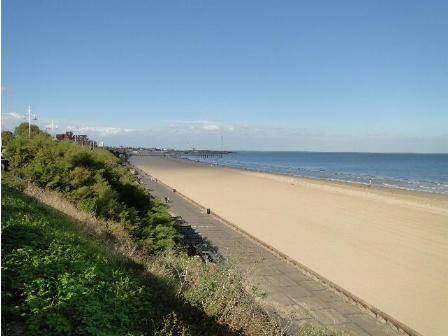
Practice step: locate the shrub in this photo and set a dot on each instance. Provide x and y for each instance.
(58, 282)
(95, 180)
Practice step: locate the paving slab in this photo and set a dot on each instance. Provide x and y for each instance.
(287, 287)
(344, 307)
(312, 285)
(296, 292)
(371, 326)
(285, 269)
(266, 271)
(280, 280)
(329, 317)
(352, 329)
(311, 302)
(326, 295)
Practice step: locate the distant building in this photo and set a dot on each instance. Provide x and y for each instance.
(92, 144)
(80, 139)
(66, 136)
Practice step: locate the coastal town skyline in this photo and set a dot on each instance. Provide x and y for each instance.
(300, 76)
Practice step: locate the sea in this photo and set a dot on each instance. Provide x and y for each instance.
(421, 172)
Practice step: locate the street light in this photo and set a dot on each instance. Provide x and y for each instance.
(29, 120)
(52, 127)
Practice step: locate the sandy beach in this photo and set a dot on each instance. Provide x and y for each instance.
(389, 247)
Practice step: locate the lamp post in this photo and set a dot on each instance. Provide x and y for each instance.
(52, 127)
(29, 120)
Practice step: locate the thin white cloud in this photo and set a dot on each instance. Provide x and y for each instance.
(6, 90)
(81, 126)
(179, 121)
(211, 127)
(201, 126)
(74, 123)
(206, 134)
(107, 130)
(11, 120)
(12, 116)
(52, 126)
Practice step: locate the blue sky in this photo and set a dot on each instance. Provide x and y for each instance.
(265, 75)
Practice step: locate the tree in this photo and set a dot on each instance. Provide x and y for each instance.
(7, 136)
(22, 130)
(95, 180)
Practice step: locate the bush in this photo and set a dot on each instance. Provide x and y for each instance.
(58, 282)
(95, 180)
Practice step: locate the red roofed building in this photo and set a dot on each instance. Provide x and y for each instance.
(80, 139)
(66, 136)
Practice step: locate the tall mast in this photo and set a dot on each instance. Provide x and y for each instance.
(29, 121)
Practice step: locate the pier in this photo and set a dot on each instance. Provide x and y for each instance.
(204, 153)
(199, 153)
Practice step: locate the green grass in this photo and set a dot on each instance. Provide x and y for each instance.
(56, 281)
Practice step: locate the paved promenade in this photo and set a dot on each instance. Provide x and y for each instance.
(292, 291)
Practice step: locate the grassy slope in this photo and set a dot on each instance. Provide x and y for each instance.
(59, 282)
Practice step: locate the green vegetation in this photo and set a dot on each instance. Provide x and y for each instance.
(7, 136)
(58, 282)
(95, 181)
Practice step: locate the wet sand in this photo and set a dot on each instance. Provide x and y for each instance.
(387, 246)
